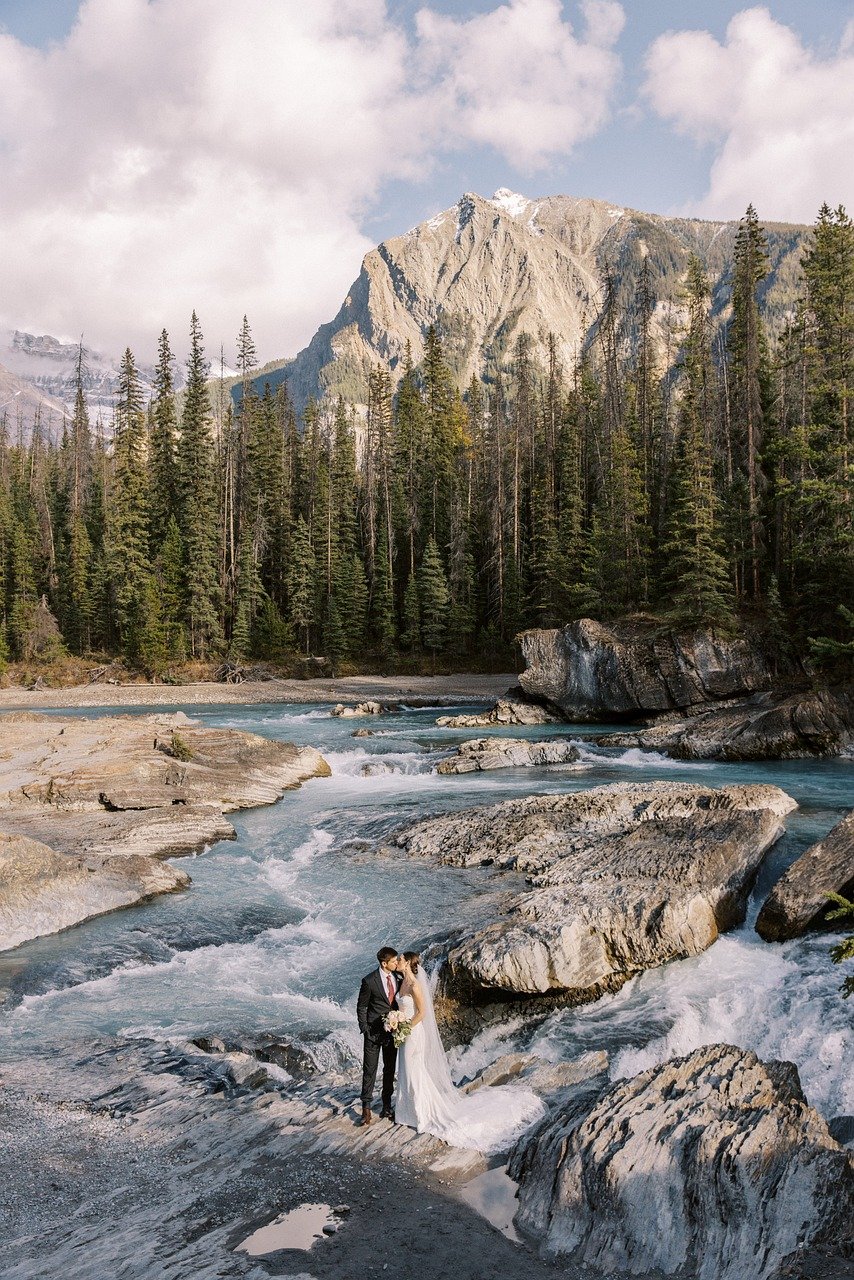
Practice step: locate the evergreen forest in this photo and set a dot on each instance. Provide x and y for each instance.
(444, 520)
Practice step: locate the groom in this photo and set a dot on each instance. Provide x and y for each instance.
(377, 997)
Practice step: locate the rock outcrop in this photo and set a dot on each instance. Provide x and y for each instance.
(799, 899)
(88, 808)
(505, 712)
(624, 877)
(766, 727)
(507, 753)
(712, 1166)
(369, 708)
(593, 672)
(42, 891)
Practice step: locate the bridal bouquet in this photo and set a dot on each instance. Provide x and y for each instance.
(398, 1025)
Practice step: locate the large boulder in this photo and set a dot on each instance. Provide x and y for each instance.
(625, 877)
(799, 899)
(591, 671)
(817, 722)
(507, 753)
(711, 1166)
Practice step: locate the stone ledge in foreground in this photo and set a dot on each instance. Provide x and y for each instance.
(711, 1165)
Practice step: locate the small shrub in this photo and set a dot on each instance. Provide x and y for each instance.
(181, 748)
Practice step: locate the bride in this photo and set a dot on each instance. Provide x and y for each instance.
(487, 1120)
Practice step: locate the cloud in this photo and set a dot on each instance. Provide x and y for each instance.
(518, 79)
(172, 154)
(780, 117)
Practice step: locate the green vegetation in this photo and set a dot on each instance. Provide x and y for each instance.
(843, 950)
(433, 527)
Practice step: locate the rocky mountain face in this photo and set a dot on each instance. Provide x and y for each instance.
(44, 370)
(485, 271)
(22, 404)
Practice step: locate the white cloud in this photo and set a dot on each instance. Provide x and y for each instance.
(780, 117)
(517, 78)
(171, 154)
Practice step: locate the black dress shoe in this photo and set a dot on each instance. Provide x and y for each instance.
(387, 1114)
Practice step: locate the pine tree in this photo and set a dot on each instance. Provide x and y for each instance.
(170, 576)
(198, 505)
(410, 631)
(128, 534)
(700, 587)
(301, 583)
(748, 357)
(435, 600)
(163, 460)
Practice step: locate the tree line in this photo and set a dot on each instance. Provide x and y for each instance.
(443, 520)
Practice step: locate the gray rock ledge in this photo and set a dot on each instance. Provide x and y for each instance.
(766, 727)
(712, 1166)
(591, 671)
(623, 878)
(89, 808)
(507, 753)
(506, 711)
(799, 899)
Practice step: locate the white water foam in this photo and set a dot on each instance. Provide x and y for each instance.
(633, 758)
(783, 1002)
(361, 763)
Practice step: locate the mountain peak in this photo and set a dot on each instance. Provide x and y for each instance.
(510, 201)
(487, 271)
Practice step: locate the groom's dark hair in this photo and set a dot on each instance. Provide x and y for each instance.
(386, 953)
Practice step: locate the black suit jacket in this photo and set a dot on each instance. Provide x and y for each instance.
(373, 1005)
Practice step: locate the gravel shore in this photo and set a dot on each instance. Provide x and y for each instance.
(439, 689)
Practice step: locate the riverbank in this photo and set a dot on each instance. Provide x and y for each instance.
(440, 689)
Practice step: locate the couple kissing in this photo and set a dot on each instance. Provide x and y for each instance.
(378, 998)
(398, 1022)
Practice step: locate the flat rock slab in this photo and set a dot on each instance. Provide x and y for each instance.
(42, 891)
(505, 712)
(712, 1165)
(799, 899)
(90, 793)
(766, 727)
(624, 877)
(506, 753)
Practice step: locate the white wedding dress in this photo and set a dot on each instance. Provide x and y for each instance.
(490, 1119)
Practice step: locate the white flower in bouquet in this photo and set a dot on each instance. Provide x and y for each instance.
(399, 1026)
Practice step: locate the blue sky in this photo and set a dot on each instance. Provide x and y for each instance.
(175, 153)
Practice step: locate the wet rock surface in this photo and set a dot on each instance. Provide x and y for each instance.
(146, 1161)
(88, 808)
(623, 878)
(369, 708)
(766, 727)
(506, 753)
(711, 1166)
(507, 711)
(799, 899)
(590, 671)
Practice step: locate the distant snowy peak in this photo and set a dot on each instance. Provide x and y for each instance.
(511, 202)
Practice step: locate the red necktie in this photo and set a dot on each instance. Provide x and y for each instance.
(390, 989)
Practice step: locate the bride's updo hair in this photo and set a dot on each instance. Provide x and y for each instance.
(413, 959)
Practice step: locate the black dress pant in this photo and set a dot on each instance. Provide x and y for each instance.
(370, 1064)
